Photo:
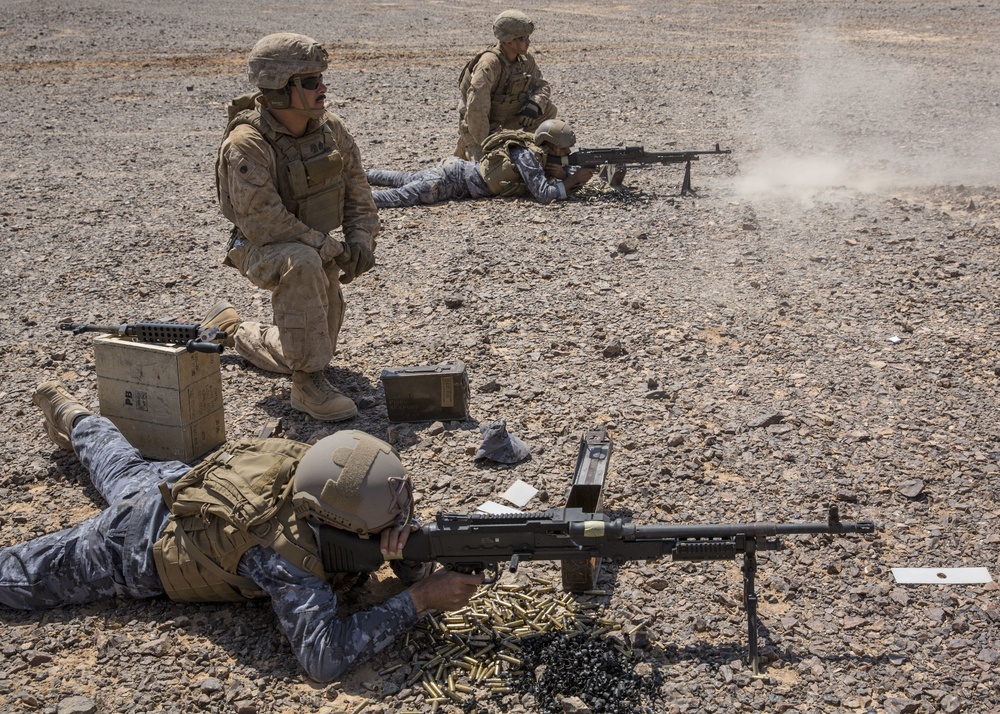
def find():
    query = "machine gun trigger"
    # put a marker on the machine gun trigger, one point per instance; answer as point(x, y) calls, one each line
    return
point(491, 570)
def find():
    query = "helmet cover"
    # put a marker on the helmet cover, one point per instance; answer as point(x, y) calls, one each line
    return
point(354, 481)
point(512, 24)
point(556, 132)
point(276, 58)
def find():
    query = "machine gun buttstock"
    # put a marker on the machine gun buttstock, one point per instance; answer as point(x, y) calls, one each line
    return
point(199, 345)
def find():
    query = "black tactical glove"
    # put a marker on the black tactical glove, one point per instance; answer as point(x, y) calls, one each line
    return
point(332, 250)
point(366, 258)
point(531, 110)
point(361, 259)
point(343, 260)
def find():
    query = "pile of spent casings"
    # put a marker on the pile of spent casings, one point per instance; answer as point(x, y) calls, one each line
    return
point(526, 639)
point(595, 191)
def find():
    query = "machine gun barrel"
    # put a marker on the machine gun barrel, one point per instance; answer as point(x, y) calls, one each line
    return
point(193, 336)
point(632, 156)
point(614, 161)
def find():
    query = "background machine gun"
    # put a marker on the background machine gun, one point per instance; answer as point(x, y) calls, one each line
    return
point(613, 162)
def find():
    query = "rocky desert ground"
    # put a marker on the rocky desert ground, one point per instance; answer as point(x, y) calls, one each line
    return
point(818, 325)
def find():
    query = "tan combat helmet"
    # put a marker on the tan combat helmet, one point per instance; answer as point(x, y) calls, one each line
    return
point(354, 481)
point(276, 58)
point(511, 24)
point(556, 132)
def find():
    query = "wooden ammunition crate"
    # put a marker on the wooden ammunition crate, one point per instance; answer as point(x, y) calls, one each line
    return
point(165, 400)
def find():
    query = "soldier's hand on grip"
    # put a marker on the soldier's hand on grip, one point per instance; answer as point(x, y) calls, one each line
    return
point(445, 590)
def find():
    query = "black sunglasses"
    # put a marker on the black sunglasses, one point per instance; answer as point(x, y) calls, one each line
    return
point(310, 83)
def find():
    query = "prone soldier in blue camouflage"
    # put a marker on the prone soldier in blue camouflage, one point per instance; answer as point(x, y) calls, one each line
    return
point(515, 163)
point(242, 524)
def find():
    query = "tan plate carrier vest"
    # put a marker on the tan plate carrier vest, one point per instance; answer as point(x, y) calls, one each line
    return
point(498, 169)
point(512, 92)
point(310, 169)
point(238, 497)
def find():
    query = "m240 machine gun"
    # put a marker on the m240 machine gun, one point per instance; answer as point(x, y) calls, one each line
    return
point(613, 162)
point(479, 542)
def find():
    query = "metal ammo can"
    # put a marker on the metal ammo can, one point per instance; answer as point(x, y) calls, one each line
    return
point(426, 393)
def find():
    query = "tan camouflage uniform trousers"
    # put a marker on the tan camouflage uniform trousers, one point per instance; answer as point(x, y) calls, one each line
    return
point(278, 252)
point(494, 78)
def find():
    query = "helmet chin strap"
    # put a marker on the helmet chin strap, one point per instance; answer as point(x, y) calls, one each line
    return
point(410, 506)
point(409, 514)
point(311, 113)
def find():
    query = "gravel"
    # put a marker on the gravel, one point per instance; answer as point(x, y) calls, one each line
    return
point(818, 325)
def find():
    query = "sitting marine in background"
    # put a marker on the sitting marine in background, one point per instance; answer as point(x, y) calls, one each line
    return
point(502, 87)
point(515, 163)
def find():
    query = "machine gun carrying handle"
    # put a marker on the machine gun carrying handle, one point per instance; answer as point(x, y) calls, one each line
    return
point(199, 345)
point(211, 340)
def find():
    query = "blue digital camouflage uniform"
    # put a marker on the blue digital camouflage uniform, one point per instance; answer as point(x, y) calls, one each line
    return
point(457, 178)
point(541, 187)
point(452, 178)
point(111, 555)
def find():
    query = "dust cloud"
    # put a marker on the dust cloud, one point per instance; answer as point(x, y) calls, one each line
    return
point(851, 119)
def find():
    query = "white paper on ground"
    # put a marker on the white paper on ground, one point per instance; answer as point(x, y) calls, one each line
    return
point(941, 576)
point(520, 493)
point(494, 507)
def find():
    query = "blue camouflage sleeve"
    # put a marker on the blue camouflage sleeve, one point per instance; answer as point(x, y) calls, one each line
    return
point(306, 606)
point(544, 189)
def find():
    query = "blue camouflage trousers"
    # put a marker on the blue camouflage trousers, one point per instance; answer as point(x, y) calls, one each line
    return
point(108, 555)
point(452, 178)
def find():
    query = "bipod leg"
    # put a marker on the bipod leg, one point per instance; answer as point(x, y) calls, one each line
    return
point(750, 603)
point(686, 189)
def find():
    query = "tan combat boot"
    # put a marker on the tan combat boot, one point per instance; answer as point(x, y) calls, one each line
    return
point(312, 394)
point(60, 410)
point(223, 317)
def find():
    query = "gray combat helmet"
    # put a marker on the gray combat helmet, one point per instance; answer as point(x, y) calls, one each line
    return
point(275, 59)
point(555, 132)
point(511, 24)
point(354, 481)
